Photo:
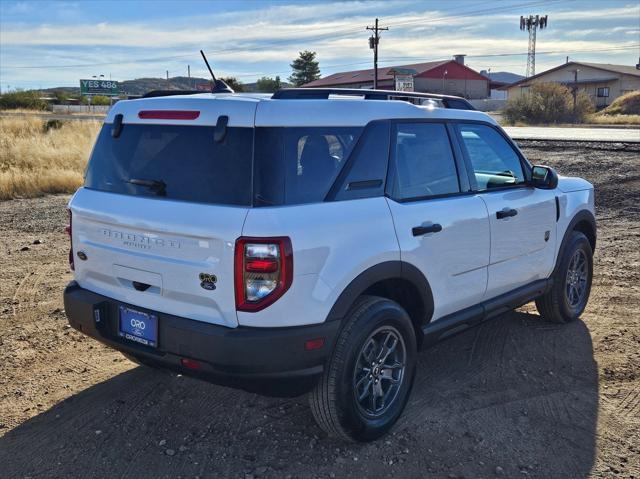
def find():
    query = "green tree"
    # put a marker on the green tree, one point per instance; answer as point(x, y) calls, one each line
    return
point(305, 69)
point(60, 97)
point(234, 83)
point(29, 100)
point(268, 85)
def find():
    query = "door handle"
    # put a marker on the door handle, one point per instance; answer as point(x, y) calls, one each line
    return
point(423, 230)
point(506, 213)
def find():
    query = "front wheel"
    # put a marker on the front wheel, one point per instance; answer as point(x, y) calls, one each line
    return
point(568, 297)
point(367, 381)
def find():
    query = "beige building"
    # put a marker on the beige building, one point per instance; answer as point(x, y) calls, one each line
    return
point(603, 82)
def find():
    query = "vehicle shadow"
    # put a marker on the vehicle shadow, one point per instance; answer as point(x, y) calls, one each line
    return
point(514, 397)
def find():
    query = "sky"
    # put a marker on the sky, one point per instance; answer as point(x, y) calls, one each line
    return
point(55, 43)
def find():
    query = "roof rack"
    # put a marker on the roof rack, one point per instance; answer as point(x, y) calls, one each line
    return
point(156, 93)
point(448, 101)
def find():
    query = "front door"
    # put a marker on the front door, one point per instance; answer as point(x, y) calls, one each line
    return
point(523, 218)
point(441, 229)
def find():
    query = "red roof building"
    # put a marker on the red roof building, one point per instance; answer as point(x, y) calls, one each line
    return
point(450, 77)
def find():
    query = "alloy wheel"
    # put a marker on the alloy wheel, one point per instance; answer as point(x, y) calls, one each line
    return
point(379, 371)
point(577, 279)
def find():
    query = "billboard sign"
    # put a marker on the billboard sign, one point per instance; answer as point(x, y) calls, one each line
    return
point(99, 87)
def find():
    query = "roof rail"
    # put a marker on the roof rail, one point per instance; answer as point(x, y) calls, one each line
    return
point(156, 93)
point(448, 101)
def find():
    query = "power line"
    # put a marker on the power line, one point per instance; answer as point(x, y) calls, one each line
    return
point(422, 59)
point(474, 13)
point(329, 35)
point(549, 52)
point(415, 59)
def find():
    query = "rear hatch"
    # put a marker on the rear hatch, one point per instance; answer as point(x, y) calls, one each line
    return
point(164, 200)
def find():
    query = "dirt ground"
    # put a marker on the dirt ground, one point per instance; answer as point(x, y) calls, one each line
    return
point(514, 397)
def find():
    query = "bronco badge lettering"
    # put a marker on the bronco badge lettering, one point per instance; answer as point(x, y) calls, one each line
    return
point(134, 240)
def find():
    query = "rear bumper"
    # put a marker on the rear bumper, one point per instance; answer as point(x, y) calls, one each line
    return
point(270, 361)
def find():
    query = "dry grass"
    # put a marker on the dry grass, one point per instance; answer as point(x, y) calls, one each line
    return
point(35, 162)
point(627, 104)
point(600, 119)
point(24, 111)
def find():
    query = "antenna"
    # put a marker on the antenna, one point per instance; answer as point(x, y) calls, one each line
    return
point(531, 24)
point(219, 86)
point(208, 66)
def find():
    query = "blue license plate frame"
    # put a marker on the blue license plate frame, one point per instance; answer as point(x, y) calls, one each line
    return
point(138, 326)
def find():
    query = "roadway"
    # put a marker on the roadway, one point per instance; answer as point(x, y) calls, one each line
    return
point(595, 134)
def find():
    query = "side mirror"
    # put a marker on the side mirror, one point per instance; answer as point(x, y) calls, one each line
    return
point(544, 177)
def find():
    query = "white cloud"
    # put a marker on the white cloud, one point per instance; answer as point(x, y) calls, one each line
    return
point(266, 39)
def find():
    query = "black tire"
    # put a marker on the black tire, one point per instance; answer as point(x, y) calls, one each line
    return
point(372, 322)
point(560, 304)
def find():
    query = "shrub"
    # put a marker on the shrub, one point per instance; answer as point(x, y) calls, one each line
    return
point(547, 103)
point(100, 100)
point(584, 107)
point(628, 104)
point(52, 125)
point(29, 100)
point(235, 84)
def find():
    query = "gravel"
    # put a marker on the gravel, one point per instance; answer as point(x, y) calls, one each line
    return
point(484, 403)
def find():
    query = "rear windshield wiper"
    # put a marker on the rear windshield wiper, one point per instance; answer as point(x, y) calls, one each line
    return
point(159, 187)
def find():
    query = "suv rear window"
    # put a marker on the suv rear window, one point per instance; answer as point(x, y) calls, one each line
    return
point(192, 166)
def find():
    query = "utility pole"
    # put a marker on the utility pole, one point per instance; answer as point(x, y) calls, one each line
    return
point(531, 24)
point(189, 74)
point(374, 40)
point(167, 75)
point(575, 92)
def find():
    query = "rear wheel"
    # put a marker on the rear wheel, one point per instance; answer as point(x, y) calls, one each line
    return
point(568, 297)
point(368, 379)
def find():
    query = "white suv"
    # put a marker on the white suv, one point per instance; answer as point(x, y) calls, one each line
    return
point(315, 241)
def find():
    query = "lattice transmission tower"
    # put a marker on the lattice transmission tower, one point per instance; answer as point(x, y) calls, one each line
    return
point(531, 24)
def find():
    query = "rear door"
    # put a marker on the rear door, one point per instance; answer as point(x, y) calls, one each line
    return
point(442, 228)
point(159, 214)
point(523, 218)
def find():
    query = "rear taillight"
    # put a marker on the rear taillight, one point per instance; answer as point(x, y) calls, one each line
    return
point(69, 230)
point(263, 271)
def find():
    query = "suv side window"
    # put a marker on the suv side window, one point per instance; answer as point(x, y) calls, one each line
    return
point(299, 164)
point(423, 162)
point(495, 163)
